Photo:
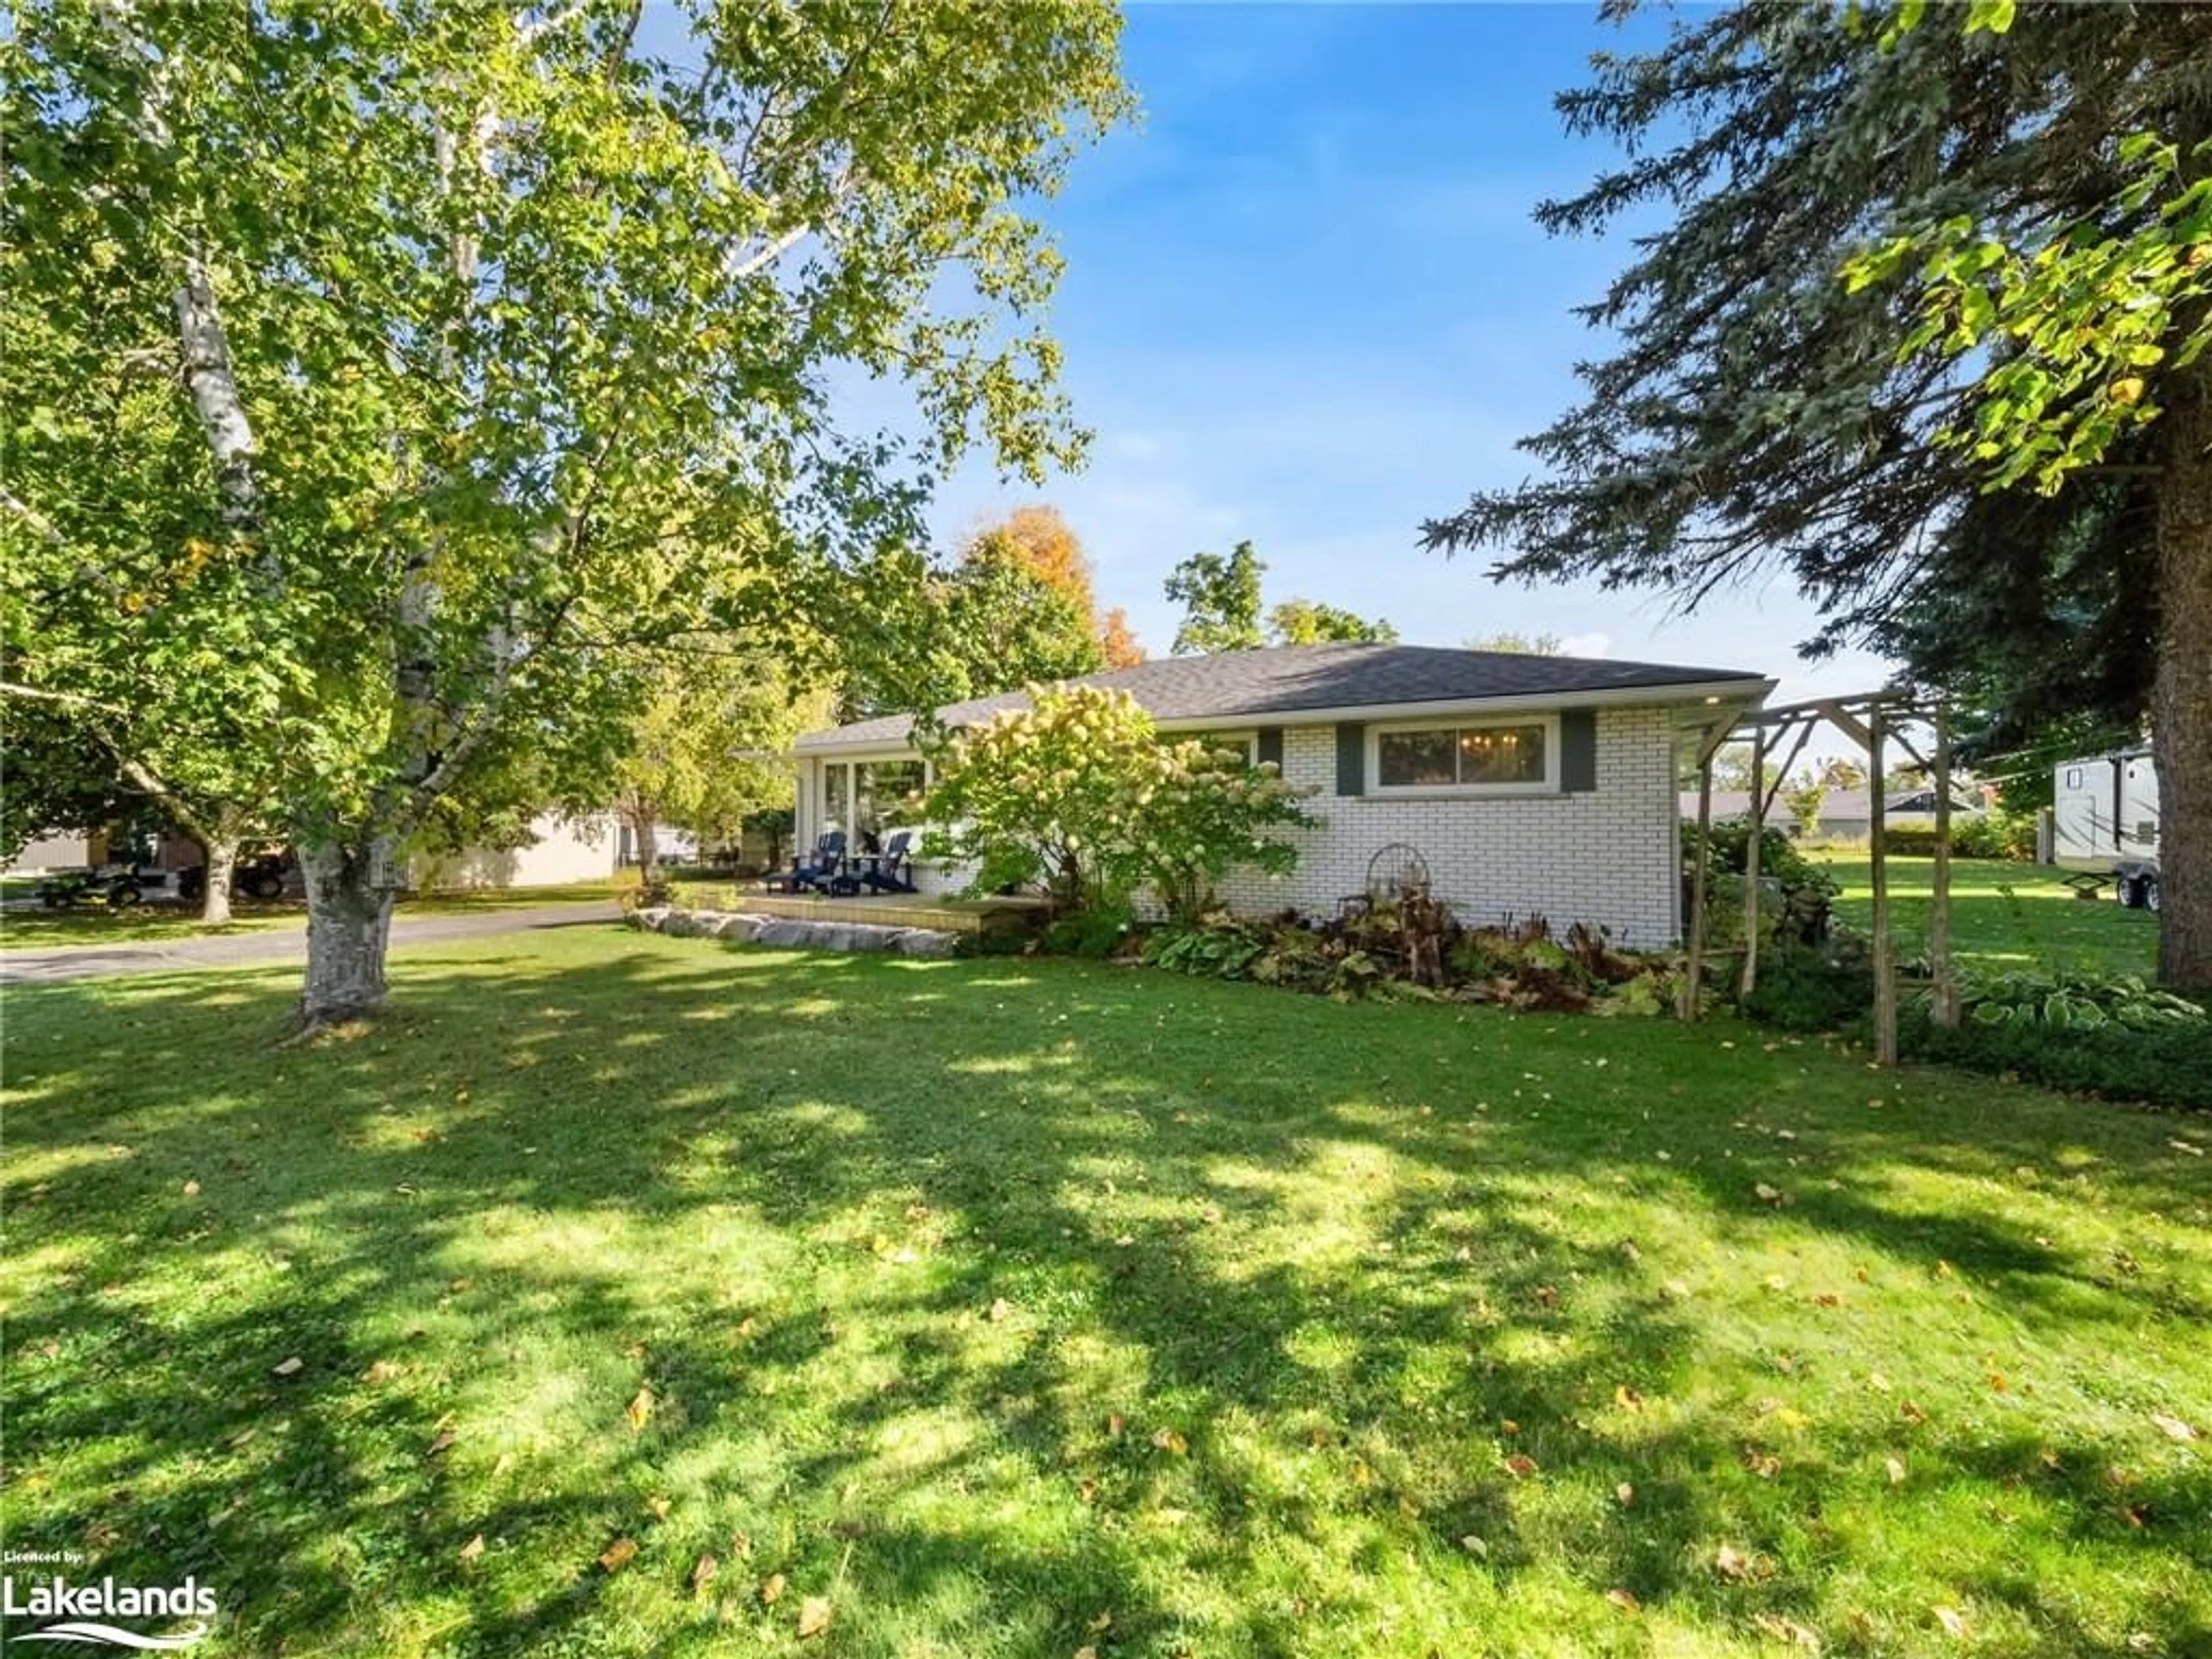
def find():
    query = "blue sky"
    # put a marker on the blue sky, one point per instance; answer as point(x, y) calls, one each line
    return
point(1306, 304)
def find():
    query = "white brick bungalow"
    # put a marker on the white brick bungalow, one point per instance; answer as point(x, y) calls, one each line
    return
point(1527, 783)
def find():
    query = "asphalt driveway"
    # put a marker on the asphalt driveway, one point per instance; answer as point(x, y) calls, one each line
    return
point(240, 950)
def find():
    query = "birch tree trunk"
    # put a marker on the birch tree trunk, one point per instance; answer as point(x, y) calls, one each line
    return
point(349, 899)
point(220, 848)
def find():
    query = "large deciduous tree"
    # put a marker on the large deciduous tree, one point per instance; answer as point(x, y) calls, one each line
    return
point(1761, 409)
point(1309, 622)
point(1221, 600)
point(504, 334)
point(1220, 597)
point(708, 745)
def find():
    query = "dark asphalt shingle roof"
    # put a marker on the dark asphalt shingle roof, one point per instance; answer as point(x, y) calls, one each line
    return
point(1284, 680)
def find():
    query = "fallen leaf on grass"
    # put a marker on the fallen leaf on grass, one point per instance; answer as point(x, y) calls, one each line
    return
point(703, 1574)
point(473, 1548)
point(1952, 1620)
point(640, 1410)
point(659, 1507)
point(1169, 1441)
point(1730, 1562)
point(1625, 1600)
point(1625, 1494)
point(814, 1614)
point(1788, 1630)
point(2172, 1427)
point(442, 1445)
point(192, 1189)
point(1102, 1623)
point(1114, 1423)
point(1475, 1547)
point(1627, 1398)
point(381, 1372)
point(1522, 1465)
point(1910, 1413)
point(619, 1555)
point(1896, 1468)
point(288, 1367)
point(771, 1590)
point(1001, 1310)
point(1087, 1651)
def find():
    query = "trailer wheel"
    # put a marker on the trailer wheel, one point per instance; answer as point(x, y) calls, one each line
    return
point(2149, 886)
point(2129, 895)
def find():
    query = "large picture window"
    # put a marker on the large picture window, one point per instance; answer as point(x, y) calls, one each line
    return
point(865, 798)
point(1499, 757)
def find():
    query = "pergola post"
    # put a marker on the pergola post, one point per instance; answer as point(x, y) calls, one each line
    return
point(1697, 966)
point(1885, 977)
point(1939, 907)
point(1751, 852)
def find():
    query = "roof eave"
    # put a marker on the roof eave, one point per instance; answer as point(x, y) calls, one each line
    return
point(1741, 692)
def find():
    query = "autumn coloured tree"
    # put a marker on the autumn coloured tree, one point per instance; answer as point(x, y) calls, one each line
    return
point(499, 338)
point(1118, 641)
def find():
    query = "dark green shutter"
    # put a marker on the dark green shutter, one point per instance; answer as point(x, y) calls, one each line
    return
point(1271, 745)
point(1351, 758)
point(1578, 750)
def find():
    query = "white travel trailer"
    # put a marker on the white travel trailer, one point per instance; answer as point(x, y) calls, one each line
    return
point(2104, 817)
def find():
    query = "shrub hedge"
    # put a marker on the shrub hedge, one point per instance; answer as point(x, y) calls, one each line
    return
point(2171, 1065)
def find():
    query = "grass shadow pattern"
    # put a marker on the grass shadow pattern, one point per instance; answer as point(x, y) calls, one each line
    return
point(1015, 1309)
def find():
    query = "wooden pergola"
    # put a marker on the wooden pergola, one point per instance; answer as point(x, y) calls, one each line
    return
point(1873, 720)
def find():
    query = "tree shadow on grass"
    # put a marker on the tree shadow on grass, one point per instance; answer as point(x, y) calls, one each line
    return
point(990, 1300)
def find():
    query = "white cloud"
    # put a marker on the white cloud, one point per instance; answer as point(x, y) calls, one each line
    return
point(1586, 645)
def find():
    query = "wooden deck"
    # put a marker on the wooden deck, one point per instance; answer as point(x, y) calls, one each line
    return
point(992, 916)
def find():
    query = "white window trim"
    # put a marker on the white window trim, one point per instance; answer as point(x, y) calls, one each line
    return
point(1376, 787)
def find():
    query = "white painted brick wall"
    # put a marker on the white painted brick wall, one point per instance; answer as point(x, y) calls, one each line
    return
point(1606, 857)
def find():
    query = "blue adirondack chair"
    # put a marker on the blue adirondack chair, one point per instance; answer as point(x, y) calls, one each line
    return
point(891, 869)
point(815, 872)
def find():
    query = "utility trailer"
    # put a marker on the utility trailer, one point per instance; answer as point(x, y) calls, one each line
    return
point(2104, 818)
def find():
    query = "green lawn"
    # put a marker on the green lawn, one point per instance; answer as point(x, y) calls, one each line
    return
point(2003, 916)
point(1017, 1309)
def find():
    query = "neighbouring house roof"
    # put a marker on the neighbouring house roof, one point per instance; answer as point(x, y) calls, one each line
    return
point(1278, 685)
